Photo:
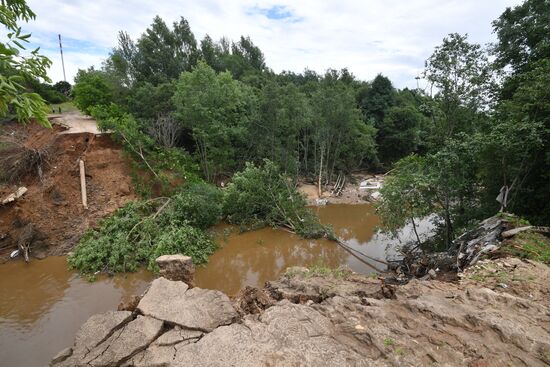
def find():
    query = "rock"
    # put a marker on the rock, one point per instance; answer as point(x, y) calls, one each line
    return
point(252, 300)
point(93, 332)
point(195, 308)
point(61, 356)
point(124, 343)
point(161, 351)
point(129, 303)
point(432, 274)
point(124, 188)
point(177, 267)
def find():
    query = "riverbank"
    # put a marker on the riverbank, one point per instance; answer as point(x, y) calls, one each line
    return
point(49, 218)
point(343, 318)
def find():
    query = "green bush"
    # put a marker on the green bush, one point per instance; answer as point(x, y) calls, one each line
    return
point(199, 204)
point(261, 195)
point(141, 231)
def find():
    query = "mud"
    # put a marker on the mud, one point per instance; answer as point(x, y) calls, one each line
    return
point(42, 305)
point(52, 203)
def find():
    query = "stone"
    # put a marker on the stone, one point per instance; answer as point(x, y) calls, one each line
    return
point(92, 333)
point(124, 188)
point(61, 356)
point(124, 343)
point(129, 303)
point(196, 308)
point(432, 274)
point(177, 267)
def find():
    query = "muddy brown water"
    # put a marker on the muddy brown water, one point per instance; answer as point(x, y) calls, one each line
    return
point(42, 304)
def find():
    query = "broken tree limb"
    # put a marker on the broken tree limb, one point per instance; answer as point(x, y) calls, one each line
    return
point(83, 184)
point(513, 232)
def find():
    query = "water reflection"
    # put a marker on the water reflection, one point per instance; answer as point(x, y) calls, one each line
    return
point(252, 258)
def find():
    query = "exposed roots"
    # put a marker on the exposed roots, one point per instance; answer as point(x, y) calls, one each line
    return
point(18, 161)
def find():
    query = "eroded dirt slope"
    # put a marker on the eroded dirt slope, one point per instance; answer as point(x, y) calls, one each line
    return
point(52, 203)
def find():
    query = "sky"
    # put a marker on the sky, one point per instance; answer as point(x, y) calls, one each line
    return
point(392, 37)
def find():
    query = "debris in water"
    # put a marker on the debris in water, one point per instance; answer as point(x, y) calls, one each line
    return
point(14, 254)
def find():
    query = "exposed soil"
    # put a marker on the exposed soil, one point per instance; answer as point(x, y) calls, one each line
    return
point(52, 204)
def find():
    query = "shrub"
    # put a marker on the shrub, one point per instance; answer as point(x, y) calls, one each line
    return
point(199, 204)
point(261, 195)
point(141, 231)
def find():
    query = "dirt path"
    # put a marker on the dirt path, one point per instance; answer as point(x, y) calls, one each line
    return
point(76, 123)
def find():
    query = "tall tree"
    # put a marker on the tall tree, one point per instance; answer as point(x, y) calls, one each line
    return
point(216, 109)
point(460, 76)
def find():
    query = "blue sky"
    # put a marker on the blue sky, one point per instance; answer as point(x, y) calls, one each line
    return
point(392, 37)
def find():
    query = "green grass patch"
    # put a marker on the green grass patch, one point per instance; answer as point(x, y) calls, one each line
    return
point(529, 245)
point(65, 107)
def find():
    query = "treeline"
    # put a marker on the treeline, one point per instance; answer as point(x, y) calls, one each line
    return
point(491, 130)
point(220, 102)
point(478, 129)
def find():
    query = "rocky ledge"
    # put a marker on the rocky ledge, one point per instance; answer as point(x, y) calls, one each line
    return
point(331, 319)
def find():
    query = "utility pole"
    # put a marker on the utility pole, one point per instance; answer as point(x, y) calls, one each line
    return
point(62, 61)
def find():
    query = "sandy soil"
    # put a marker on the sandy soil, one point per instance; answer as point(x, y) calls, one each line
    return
point(351, 194)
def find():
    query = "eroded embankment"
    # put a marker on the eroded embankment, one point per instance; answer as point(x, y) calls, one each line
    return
point(50, 215)
point(312, 318)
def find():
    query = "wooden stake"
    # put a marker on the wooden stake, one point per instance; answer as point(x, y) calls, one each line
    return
point(83, 184)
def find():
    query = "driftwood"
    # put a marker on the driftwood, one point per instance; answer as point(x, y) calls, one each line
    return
point(515, 231)
point(83, 184)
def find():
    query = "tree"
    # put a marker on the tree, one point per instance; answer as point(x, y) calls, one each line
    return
point(398, 133)
point(160, 55)
point(340, 140)
point(379, 97)
point(523, 35)
point(17, 68)
point(91, 89)
point(216, 109)
point(460, 73)
point(63, 87)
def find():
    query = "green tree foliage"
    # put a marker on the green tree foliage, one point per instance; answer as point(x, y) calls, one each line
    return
point(378, 98)
point(141, 231)
point(261, 195)
point(18, 67)
point(216, 109)
point(460, 73)
point(91, 89)
point(63, 87)
point(523, 36)
point(398, 134)
point(340, 138)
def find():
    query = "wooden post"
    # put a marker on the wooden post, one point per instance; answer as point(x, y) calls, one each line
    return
point(83, 184)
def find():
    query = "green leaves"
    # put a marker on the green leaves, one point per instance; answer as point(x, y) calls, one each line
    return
point(141, 231)
point(14, 98)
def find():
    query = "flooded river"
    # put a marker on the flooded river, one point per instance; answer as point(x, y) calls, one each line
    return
point(42, 304)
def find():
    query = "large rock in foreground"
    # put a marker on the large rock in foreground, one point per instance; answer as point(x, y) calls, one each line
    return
point(333, 320)
point(197, 309)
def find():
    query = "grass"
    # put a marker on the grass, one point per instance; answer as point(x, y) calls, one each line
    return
point(388, 342)
point(514, 219)
point(529, 245)
point(65, 107)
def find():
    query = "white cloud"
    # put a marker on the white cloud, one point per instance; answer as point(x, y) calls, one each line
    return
point(368, 37)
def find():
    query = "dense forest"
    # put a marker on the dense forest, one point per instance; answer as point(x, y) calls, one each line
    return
point(472, 141)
